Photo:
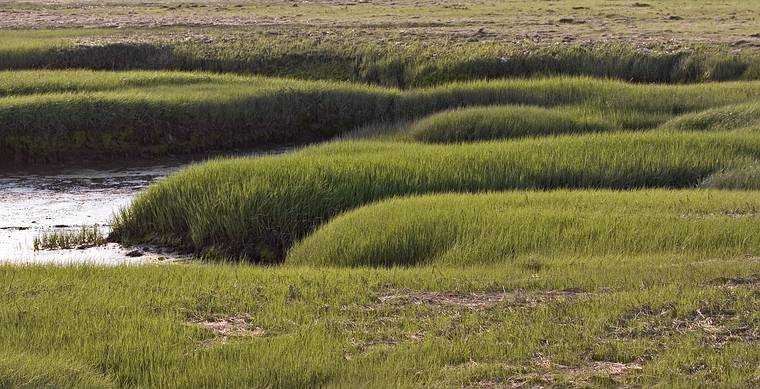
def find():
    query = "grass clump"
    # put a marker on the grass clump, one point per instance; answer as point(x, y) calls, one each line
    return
point(258, 207)
point(160, 120)
point(65, 239)
point(470, 229)
point(502, 122)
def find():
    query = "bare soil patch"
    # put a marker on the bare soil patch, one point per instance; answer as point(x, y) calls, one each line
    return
point(751, 281)
point(224, 328)
point(516, 298)
point(718, 327)
point(547, 374)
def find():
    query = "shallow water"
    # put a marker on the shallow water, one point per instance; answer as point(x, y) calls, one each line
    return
point(37, 201)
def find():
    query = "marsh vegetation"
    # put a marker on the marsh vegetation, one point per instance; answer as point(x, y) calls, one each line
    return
point(491, 194)
point(67, 239)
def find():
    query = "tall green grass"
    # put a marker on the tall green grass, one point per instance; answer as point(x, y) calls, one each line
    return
point(159, 120)
point(257, 208)
point(467, 229)
point(128, 114)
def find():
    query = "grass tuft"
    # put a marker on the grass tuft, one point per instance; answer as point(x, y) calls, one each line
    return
point(64, 239)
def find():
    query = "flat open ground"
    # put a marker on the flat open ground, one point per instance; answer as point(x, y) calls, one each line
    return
point(732, 22)
point(388, 193)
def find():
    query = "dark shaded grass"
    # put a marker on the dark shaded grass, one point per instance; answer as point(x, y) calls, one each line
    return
point(152, 122)
point(231, 112)
point(257, 208)
point(423, 63)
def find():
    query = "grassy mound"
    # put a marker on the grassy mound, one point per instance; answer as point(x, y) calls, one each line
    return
point(495, 228)
point(258, 207)
point(131, 114)
point(747, 177)
point(502, 122)
point(725, 118)
point(158, 120)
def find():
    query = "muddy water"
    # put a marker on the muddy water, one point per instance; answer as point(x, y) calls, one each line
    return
point(35, 202)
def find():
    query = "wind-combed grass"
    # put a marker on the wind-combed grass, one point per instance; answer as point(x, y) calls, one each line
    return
point(469, 229)
point(20, 369)
point(680, 320)
point(725, 118)
point(503, 122)
point(67, 239)
point(258, 207)
point(150, 114)
point(746, 177)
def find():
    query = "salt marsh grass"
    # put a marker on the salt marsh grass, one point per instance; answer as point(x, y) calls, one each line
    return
point(498, 228)
point(503, 122)
point(343, 56)
point(504, 193)
point(132, 114)
point(259, 207)
point(747, 177)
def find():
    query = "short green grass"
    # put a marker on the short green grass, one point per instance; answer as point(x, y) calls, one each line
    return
point(684, 320)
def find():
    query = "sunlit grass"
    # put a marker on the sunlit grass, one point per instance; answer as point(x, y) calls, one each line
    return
point(258, 207)
point(67, 239)
point(508, 227)
point(134, 326)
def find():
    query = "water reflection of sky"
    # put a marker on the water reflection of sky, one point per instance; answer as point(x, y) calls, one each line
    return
point(35, 201)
